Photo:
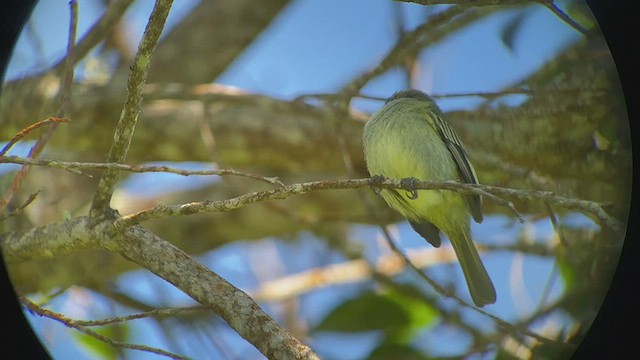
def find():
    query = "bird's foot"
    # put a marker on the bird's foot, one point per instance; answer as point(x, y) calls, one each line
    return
point(376, 179)
point(409, 185)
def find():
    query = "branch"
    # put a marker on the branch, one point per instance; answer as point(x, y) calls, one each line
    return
point(131, 110)
point(83, 329)
point(168, 262)
point(24, 132)
point(158, 313)
point(546, 3)
point(76, 166)
point(549, 4)
point(230, 303)
point(234, 306)
point(20, 208)
point(294, 285)
point(64, 99)
point(49, 241)
point(446, 293)
point(494, 193)
point(237, 202)
point(587, 206)
point(229, 25)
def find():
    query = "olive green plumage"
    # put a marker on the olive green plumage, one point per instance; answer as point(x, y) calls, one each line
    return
point(408, 138)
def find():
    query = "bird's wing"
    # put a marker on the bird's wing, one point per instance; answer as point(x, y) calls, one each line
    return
point(467, 172)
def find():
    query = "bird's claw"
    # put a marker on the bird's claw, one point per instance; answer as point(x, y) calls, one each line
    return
point(376, 179)
point(408, 183)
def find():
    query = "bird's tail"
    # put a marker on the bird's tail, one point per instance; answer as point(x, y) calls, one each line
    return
point(478, 280)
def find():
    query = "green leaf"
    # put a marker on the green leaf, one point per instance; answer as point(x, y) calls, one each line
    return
point(368, 312)
point(421, 314)
point(101, 349)
point(398, 312)
point(396, 352)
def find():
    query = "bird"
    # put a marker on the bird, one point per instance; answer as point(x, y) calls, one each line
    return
point(408, 138)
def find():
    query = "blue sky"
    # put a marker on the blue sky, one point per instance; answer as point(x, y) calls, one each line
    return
point(317, 47)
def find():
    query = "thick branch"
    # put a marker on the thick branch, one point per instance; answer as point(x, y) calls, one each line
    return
point(48, 241)
point(230, 303)
point(143, 247)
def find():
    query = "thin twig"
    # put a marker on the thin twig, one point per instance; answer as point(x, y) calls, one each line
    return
point(76, 167)
point(446, 293)
point(159, 313)
point(65, 99)
point(546, 3)
point(83, 329)
point(24, 132)
point(564, 17)
point(20, 208)
point(592, 207)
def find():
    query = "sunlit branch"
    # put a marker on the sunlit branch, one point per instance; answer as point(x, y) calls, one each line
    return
point(347, 272)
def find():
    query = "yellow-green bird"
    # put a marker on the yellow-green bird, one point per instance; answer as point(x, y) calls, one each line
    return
point(409, 138)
